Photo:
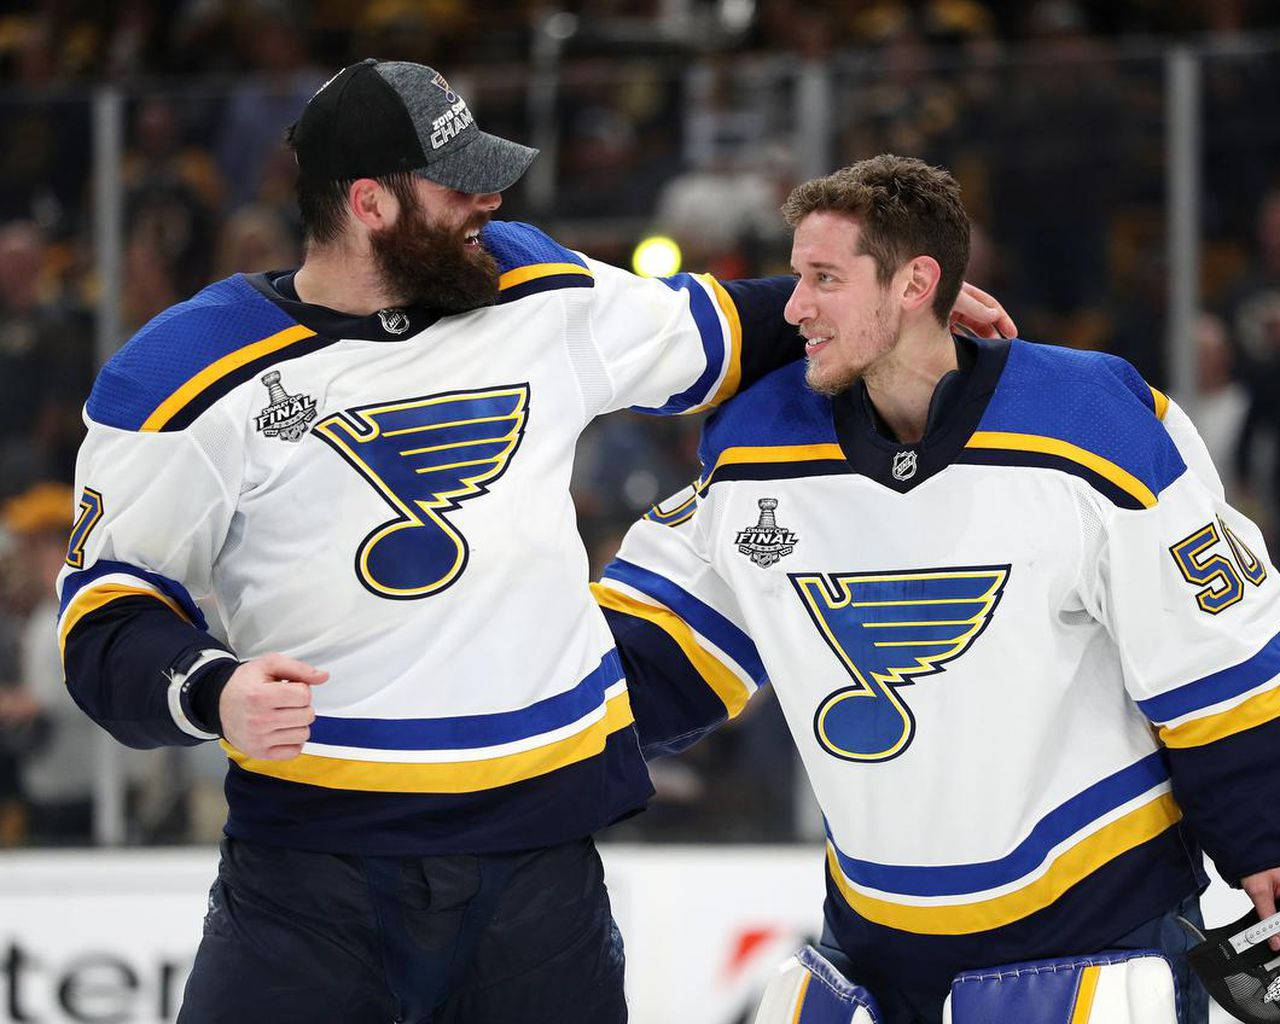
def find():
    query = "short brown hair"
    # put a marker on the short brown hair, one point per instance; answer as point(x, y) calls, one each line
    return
point(905, 209)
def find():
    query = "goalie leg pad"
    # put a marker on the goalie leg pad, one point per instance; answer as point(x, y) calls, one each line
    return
point(807, 989)
point(1112, 987)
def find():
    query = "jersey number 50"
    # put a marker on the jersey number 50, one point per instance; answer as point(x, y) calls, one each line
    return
point(1219, 578)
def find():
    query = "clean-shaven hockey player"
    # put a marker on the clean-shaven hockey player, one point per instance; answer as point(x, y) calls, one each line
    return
point(362, 469)
point(1028, 653)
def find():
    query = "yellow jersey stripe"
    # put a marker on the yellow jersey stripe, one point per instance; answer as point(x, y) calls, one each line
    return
point(1261, 708)
point(531, 273)
point(1122, 478)
point(1085, 994)
point(1071, 866)
point(455, 777)
point(92, 598)
point(1161, 401)
point(731, 690)
point(804, 987)
point(732, 379)
point(772, 454)
point(215, 371)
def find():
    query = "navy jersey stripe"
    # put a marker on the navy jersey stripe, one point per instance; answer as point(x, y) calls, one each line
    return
point(1044, 460)
point(777, 471)
point(1135, 887)
point(1058, 825)
point(469, 731)
point(562, 805)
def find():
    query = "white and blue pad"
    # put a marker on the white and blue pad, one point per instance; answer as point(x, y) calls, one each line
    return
point(1113, 987)
point(808, 990)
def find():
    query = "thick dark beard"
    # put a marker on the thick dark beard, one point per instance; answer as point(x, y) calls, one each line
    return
point(423, 264)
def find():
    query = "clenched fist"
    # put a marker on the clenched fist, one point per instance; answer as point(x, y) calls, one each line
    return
point(266, 706)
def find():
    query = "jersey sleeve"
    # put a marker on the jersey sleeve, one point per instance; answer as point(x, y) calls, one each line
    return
point(155, 508)
point(688, 342)
point(1193, 602)
point(689, 662)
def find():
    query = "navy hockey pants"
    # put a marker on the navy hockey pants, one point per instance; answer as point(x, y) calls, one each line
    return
point(1161, 933)
point(293, 937)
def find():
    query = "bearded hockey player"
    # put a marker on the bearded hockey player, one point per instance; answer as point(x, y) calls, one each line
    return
point(1028, 653)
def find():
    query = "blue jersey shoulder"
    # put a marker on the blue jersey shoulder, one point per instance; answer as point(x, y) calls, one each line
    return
point(1093, 401)
point(532, 261)
point(779, 410)
point(159, 364)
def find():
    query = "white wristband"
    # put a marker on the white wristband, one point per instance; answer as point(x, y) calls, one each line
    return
point(176, 682)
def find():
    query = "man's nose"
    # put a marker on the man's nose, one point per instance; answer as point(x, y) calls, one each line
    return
point(799, 307)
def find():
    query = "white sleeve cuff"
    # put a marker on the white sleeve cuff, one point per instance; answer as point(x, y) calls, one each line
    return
point(177, 680)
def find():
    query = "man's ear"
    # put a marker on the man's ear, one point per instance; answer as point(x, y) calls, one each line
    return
point(371, 204)
point(920, 277)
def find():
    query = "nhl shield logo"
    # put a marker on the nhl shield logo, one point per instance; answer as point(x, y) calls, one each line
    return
point(904, 465)
point(766, 542)
point(394, 321)
point(286, 416)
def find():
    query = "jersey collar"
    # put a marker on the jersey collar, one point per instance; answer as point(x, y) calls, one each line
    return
point(958, 402)
point(398, 324)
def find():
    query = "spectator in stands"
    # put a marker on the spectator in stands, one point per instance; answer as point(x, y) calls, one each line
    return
point(256, 238)
point(1219, 406)
point(1255, 319)
point(283, 78)
point(46, 365)
point(57, 772)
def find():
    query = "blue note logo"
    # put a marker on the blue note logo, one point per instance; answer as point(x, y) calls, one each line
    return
point(425, 456)
point(887, 630)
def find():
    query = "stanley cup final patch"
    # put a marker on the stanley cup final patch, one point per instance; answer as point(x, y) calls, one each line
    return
point(286, 416)
point(766, 542)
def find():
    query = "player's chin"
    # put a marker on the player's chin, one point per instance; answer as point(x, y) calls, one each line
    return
point(824, 379)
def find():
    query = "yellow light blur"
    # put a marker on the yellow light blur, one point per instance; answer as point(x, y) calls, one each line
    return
point(656, 256)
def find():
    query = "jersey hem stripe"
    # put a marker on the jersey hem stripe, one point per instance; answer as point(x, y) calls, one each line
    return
point(464, 732)
point(1057, 826)
point(1072, 866)
point(463, 777)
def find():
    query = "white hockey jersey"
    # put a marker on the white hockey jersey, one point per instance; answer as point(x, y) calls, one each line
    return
point(387, 498)
point(1028, 663)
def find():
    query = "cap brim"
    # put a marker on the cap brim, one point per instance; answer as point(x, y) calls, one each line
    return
point(485, 164)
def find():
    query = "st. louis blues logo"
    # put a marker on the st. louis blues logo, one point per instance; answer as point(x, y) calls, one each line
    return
point(887, 629)
point(425, 456)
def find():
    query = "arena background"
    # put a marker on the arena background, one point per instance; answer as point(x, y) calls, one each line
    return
point(1120, 160)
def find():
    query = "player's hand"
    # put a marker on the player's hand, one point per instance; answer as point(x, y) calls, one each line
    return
point(982, 314)
point(1263, 888)
point(266, 706)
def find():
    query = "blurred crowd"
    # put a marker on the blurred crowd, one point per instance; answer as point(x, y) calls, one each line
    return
point(691, 119)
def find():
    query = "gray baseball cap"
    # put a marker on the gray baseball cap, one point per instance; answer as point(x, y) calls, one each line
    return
point(383, 117)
